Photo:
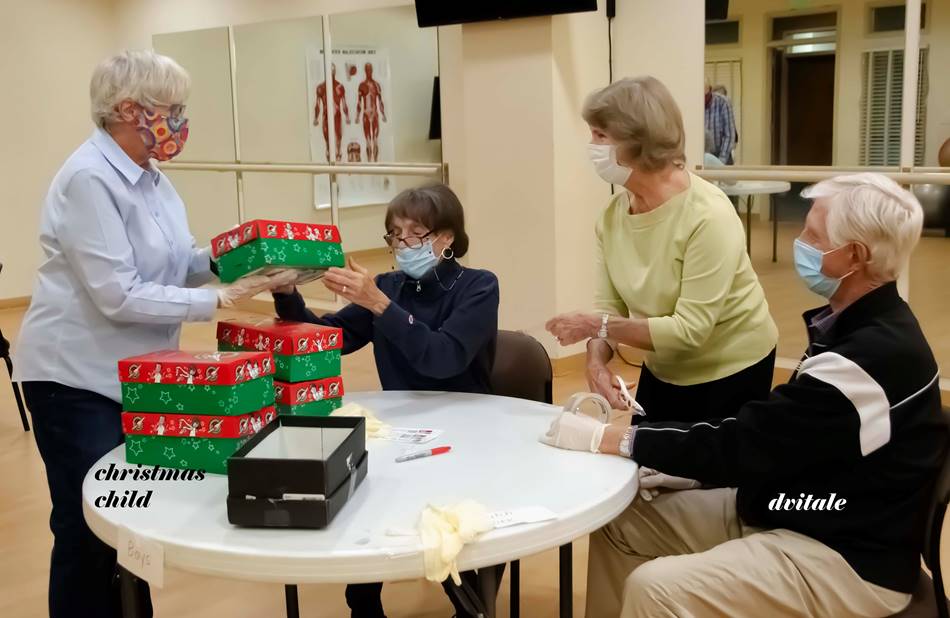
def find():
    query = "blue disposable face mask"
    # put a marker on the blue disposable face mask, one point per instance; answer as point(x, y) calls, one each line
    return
point(808, 262)
point(416, 262)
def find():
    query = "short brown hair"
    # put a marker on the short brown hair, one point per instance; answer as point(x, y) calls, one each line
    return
point(642, 118)
point(434, 206)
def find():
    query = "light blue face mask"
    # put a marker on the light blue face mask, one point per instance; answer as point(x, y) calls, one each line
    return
point(417, 262)
point(808, 261)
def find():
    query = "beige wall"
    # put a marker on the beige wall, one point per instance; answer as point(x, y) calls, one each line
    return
point(580, 66)
point(665, 40)
point(138, 20)
point(853, 40)
point(273, 107)
point(47, 52)
point(518, 155)
point(507, 142)
point(512, 134)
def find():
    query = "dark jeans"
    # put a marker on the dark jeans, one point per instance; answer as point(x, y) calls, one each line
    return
point(720, 398)
point(365, 600)
point(73, 429)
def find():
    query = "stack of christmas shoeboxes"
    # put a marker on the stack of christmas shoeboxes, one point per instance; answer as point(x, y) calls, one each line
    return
point(262, 245)
point(307, 378)
point(193, 410)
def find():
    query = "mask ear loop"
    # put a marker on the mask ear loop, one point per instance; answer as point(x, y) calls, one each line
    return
point(850, 272)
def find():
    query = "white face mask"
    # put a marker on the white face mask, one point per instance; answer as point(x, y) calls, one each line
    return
point(604, 158)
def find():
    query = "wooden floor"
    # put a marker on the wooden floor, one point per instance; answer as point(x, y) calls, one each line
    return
point(24, 498)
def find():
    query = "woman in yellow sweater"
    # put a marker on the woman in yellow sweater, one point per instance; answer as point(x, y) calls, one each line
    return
point(673, 276)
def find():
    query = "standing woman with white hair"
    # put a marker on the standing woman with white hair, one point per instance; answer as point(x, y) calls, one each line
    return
point(118, 279)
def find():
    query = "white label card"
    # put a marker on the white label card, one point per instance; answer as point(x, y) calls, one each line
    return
point(142, 557)
point(525, 515)
point(409, 435)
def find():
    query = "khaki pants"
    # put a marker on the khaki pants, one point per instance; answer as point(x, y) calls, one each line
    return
point(687, 554)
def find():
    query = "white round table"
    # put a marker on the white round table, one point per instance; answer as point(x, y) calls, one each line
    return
point(749, 188)
point(496, 460)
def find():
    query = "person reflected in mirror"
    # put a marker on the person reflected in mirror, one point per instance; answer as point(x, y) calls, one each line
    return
point(720, 120)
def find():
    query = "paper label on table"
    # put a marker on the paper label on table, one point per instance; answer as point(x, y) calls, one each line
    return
point(525, 515)
point(142, 557)
point(409, 435)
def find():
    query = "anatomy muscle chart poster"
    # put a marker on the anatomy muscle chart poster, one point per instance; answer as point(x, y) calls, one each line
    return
point(357, 120)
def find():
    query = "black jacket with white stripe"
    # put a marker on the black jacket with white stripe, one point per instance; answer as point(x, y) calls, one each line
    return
point(859, 419)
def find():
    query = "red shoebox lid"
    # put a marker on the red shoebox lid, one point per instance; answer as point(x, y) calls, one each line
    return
point(210, 368)
point(280, 336)
point(267, 228)
point(294, 393)
point(196, 425)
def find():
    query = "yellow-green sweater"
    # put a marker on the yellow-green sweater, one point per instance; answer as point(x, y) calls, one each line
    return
point(684, 267)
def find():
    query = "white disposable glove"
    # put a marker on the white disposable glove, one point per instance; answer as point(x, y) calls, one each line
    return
point(444, 531)
point(246, 287)
point(375, 428)
point(575, 432)
point(651, 480)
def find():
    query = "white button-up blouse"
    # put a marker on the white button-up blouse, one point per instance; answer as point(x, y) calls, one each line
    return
point(119, 275)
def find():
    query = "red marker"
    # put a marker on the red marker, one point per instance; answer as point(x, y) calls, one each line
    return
point(420, 454)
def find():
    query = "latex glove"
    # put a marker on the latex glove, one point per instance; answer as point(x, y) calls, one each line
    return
point(287, 288)
point(375, 428)
point(575, 431)
point(445, 531)
point(246, 287)
point(651, 480)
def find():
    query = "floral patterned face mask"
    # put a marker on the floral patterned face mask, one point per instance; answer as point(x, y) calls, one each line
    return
point(164, 135)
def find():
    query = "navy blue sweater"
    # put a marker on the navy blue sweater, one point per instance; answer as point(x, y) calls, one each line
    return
point(438, 333)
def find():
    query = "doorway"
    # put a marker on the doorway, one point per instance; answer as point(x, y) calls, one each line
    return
point(804, 104)
point(803, 55)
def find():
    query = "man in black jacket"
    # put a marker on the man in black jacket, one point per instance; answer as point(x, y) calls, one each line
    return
point(822, 489)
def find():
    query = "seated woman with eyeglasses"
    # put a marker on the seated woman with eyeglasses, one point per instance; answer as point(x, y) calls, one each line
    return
point(433, 323)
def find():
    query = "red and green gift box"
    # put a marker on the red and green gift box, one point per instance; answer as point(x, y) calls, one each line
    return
point(263, 244)
point(213, 382)
point(194, 409)
point(301, 351)
point(309, 398)
point(189, 441)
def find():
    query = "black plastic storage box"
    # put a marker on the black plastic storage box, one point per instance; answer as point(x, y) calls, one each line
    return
point(297, 472)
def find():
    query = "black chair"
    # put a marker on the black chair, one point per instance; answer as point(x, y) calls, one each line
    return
point(523, 370)
point(5, 355)
point(923, 603)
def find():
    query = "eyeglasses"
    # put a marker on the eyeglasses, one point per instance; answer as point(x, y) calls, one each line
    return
point(412, 241)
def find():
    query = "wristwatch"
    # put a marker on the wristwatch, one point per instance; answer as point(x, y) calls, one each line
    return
point(602, 333)
point(626, 442)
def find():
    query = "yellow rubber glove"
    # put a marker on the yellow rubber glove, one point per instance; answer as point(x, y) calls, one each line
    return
point(445, 531)
point(375, 428)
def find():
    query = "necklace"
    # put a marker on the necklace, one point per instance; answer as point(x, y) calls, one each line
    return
point(448, 289)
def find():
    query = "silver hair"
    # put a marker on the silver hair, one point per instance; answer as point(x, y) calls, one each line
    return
point(143, 76)
point(877, 212)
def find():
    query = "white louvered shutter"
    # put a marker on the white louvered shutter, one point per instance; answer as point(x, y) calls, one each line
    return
point(881, 102)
